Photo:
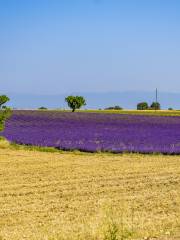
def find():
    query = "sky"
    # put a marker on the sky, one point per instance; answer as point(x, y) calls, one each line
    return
point(67, 46)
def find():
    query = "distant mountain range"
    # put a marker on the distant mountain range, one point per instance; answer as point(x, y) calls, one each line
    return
point(128, 100)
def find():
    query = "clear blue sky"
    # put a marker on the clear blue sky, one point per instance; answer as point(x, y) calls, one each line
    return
point(66, 46)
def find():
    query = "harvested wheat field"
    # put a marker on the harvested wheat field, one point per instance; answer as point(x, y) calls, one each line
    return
point(58, 195)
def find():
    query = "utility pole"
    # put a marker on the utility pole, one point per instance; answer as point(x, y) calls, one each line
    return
point(156, 107)
point(156, 95)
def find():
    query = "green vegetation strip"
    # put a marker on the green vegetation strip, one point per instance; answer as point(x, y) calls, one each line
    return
point(131, 112)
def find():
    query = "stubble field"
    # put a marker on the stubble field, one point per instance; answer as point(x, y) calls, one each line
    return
point(88, 196)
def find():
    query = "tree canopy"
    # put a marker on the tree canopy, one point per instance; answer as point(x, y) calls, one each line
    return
point(142, 106)
point(5, 112)
point(75, 102)
point(3, 100)
point(155, 106)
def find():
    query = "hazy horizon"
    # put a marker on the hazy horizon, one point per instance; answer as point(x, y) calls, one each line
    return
point(95, 100)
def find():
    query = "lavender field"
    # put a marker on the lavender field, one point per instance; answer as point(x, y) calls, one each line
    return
point(93, 132)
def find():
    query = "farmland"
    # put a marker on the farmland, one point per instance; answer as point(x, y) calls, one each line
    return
point(89, 120)
point(64, 195)
point(93, 132)
point(51, 194)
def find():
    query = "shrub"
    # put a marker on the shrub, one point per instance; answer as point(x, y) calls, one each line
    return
point(142, 106)
point(4, 115)
point(42, 108)
point(114, 108)
point(112, 232)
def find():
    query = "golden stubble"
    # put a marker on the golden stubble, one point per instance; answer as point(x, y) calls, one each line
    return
point(80, 196)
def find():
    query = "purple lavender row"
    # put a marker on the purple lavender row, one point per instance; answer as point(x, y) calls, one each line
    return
point(93, 132)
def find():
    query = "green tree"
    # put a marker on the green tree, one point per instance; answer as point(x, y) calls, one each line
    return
point(75, 102)
point(3, 99)
point(5, 112)
point(142, 106)
point(155, 106)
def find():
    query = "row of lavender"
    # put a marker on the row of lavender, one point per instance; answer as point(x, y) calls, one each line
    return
point(95, 132)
